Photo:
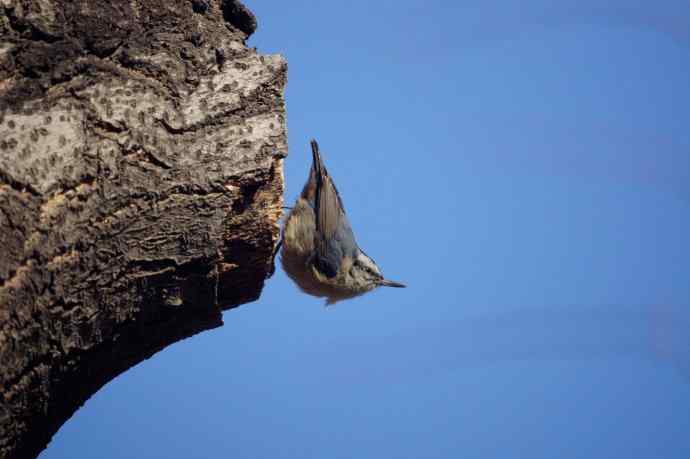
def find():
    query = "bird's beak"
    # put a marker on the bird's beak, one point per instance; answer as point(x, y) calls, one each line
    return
point(390, 283)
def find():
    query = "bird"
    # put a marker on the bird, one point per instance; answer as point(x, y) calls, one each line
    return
point(319, 250)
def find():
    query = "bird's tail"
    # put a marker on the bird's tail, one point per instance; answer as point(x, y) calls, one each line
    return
point(317, 164)
point(318, 177)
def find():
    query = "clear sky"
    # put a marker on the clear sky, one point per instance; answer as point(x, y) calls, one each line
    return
point(524, 166)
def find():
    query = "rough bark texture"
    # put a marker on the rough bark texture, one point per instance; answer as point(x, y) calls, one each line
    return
point(141, 147)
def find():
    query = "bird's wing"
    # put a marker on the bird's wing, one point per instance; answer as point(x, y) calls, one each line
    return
point(330, 218)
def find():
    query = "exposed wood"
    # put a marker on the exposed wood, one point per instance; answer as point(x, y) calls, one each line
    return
point(141, 147)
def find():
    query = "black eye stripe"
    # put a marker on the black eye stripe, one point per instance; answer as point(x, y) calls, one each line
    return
point(366, 268)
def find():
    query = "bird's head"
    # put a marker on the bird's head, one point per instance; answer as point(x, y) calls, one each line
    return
point(366, 275)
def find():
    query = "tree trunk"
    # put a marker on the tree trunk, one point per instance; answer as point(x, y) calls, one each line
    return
point(141, 147)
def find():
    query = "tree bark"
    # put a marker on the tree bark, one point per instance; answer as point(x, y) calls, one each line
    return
point(141, 148)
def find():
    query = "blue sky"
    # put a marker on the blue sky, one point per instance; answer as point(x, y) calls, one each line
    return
point(525, 168)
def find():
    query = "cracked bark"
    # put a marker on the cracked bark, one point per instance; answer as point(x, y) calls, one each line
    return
point(141, 147)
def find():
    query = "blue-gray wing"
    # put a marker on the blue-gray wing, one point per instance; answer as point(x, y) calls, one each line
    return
point(334, 236)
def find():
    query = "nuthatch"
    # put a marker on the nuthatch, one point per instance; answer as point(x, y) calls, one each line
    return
point(319, 249)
